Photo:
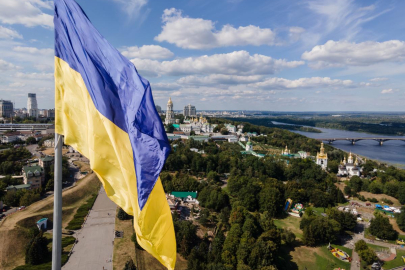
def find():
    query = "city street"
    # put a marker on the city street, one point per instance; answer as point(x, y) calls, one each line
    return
point(95, 240)
point(32, 148)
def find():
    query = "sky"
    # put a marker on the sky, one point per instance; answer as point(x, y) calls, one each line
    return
point(279, 55)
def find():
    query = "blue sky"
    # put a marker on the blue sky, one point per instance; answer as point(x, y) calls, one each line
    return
point(279, 55)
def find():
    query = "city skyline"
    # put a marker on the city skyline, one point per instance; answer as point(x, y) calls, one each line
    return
point(228, 55)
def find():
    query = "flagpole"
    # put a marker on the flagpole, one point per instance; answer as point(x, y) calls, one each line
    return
point(57, 206)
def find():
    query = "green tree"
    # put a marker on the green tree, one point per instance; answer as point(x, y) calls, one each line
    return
point(360, 246)
point(224, 131)
point(348, 191)
point(246, 245)
point(170, 128)
point(381, 227)
point(29, 197)
point(401, 193)
point(129, 265)
point(122, 215)
point(401, 219)
point(288, 237)
point(231, 245)
point(31, 140)
point(376, 187)
point(356, 183)
point(36, 251)
point(217, 244)
point(212, 176)
point(368, 255)
point(271, 200)
point(12, 198)
point(320, 230)
point(265, 250)
point(346, 220)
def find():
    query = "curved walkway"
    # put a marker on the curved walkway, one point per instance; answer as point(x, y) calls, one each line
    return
point(95, 240)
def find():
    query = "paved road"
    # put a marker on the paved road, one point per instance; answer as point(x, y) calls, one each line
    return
point(95, 247)
point(355, 261)
point(33, 149)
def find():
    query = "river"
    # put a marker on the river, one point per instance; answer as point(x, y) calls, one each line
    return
point(392, 152)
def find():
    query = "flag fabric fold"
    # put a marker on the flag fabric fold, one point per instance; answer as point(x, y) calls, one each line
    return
point(105, 110)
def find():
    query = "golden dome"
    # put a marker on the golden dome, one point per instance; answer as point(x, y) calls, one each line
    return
point(170, 101)
point(321, 154)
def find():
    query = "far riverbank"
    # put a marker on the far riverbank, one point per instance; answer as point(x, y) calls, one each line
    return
point(392, 152)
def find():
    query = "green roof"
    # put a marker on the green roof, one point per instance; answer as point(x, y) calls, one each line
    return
point(182, 194)
point(47, 158)
point(176, 125)
point(19, 187)
point(32, 169)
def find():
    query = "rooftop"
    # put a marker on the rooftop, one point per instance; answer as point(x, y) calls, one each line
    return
point(184, 194)
point(47, 158)
point(32, 169)
point(19, 187)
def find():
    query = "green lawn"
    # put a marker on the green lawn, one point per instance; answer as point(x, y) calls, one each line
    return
point(329, 261)
point(319, 210)
point(398, 261)
point(78, 219)
point(377, 248)
point(67, 243)
point(292, 223)
point(321, 259)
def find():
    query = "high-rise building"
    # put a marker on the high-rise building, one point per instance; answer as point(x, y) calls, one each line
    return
point(158, 109)
point(169, 113)
point(189, 110)
point(6, 108)
point(32, 105)
point(51, 113)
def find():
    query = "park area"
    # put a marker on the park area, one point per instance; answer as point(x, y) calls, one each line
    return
point(124, 250)
point(14, 230)
point(303, 257)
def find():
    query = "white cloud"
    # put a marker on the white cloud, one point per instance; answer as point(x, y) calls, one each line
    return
point(26, 12)
point(343, 53)
point(234, 63)
point(34, 76)
point(147, 52)
point(8, 33)
point(378, 79)
point(295, 33)
point(17, 84)
point(216, 79)
point(388, 91)
point(7, 66)
point(314, 82)
point(367, 8)
point(342, 19)
point(197, 33)
point(132, 7)
point(33, 50)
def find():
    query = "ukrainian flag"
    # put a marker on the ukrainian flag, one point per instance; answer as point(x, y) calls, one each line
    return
point(105, 110)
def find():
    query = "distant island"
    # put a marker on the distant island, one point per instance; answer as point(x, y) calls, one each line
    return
point(375, 123)
point(268, 123)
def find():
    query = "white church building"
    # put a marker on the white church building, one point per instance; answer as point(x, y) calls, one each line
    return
point(349, 168)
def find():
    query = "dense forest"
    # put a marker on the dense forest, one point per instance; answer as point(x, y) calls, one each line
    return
point(241, 194)
point(241, 212)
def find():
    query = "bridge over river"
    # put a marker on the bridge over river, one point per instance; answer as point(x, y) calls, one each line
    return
point(354, 140)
